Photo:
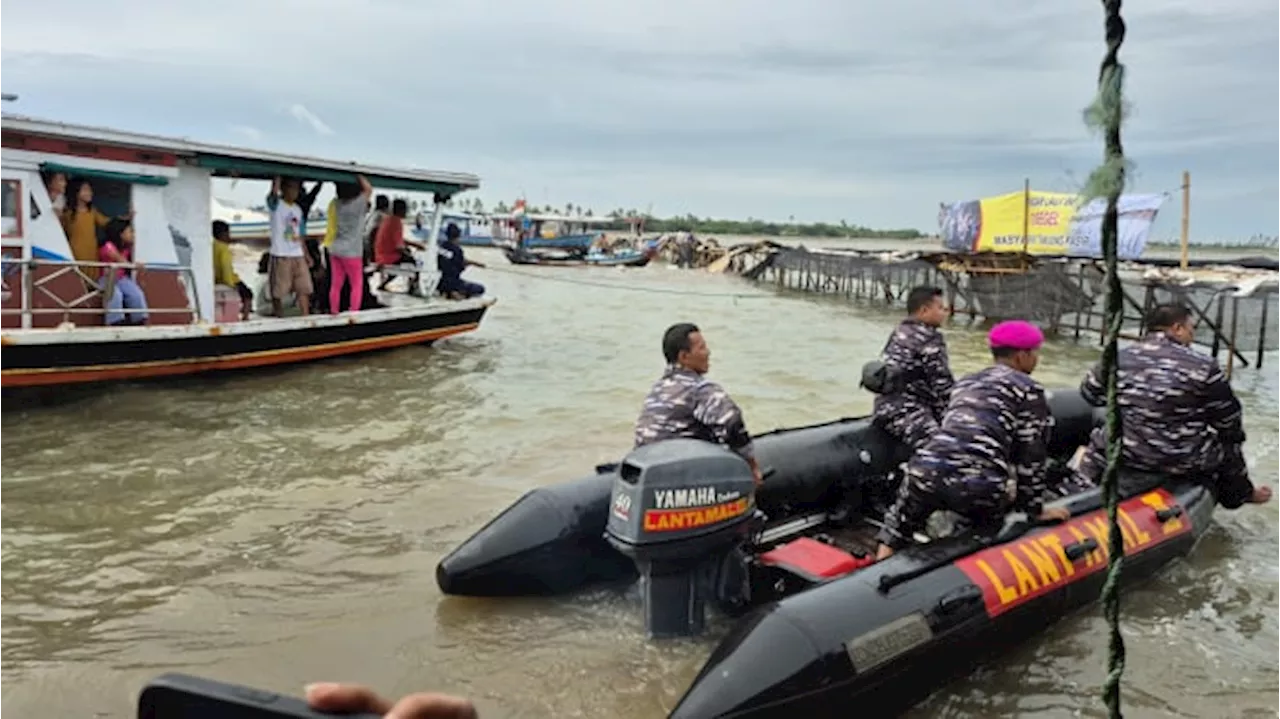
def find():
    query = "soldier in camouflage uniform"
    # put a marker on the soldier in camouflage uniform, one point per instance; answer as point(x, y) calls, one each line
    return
point(989, 454)
point(917, 353)
point(684, 403)
point(1178, 413)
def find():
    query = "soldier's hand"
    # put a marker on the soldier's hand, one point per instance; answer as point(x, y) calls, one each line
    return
point(759, 476)
point(1261, 495)
point(1054, 514)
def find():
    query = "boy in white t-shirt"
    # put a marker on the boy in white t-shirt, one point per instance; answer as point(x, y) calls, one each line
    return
point(290, 268)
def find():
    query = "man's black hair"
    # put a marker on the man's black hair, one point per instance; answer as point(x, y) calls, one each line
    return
point(676, 340)
point(920, 297)
point(347, 190)
point(382, 203)
point(1162, 317)
point(452, 231)
point(399, 207)
point(221, 230)
point(1004, 352)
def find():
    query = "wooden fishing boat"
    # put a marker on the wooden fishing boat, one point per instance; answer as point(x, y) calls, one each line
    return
point(52, 316)
point(621, 258)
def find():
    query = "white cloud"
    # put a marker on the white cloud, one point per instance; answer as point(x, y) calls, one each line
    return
point(870, 112)
point(307, 117)
point(252, 133)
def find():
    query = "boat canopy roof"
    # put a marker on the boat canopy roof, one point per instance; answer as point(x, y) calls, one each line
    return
point(241, 162)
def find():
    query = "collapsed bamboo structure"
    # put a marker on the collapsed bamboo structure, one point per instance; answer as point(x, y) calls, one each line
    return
point(1234, 302)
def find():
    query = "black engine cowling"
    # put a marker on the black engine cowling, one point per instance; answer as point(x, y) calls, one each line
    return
point(681, 509)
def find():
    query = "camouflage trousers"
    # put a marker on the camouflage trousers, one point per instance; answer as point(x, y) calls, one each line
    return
point(1222, 467)
point(981, 502)
point(912, 426)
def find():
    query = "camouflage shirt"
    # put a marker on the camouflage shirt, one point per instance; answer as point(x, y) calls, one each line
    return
point(1171, 397)
point(683, 403)
point(920, 352)
point(995, 429)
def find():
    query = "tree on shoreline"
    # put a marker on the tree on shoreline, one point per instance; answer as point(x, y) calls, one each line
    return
point(710, 225)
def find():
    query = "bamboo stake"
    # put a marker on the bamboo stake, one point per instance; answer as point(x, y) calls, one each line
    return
point(1186, 216)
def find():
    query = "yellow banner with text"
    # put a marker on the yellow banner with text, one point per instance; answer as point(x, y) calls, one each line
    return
point(1037, 222)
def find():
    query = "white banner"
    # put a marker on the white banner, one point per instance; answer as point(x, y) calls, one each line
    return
point(1137, 213)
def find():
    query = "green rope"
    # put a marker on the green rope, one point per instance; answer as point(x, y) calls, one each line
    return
point(1107, 113)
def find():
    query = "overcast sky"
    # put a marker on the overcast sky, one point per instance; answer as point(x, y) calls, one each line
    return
point(871, 112)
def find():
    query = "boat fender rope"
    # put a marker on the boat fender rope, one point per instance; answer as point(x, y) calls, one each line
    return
point(1106, 114)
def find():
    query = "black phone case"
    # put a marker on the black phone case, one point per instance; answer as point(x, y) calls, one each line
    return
point(182, 696)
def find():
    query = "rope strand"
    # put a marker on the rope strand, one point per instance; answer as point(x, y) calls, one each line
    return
point(1107, 114)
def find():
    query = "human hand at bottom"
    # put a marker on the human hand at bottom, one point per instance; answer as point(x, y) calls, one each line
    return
point(334, 698)
point(1261, 495)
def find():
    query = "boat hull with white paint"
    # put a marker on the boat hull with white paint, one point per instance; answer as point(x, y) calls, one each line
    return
point(52, 315)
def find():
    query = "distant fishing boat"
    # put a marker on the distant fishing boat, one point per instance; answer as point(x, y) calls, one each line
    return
point(253, 227)
point(622, 258)
point(476, 229)
point(562, 232)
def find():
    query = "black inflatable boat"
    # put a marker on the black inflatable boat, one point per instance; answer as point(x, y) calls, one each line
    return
point(885, 637)
point(829, 625)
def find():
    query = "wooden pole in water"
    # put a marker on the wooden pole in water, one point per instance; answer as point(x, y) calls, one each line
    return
point(1026, 214)
point(1262, 332)
point(1186, 215)
point(1231, 351)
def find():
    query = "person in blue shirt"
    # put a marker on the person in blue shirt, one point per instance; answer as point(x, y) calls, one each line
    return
point(452, 263)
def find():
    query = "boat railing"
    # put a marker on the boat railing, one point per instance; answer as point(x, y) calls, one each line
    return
point(91, 300)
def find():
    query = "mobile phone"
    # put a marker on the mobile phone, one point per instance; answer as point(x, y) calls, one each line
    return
point(182, 696)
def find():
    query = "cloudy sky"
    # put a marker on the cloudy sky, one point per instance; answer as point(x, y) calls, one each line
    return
point(822, 109)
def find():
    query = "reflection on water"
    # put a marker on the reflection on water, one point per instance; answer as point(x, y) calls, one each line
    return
point(283, 526)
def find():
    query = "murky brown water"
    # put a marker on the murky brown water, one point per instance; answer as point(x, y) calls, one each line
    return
point(280, 527)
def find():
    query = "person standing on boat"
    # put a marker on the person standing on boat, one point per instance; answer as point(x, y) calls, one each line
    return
point(224, 269)
point(126, 304)
point(684, 403)
point(989, 454)
point(346, 252)
point(452, 263)
point(55, 183)
point(1178, 413)
point(919, 373)
point(81, 221)
point(290, 268)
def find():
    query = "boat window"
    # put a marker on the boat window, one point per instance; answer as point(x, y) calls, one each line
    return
point(112, 197)
point(11, 225)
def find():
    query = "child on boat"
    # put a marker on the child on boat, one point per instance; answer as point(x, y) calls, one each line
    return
point(224, 271)
point(125, 302)
point(290, 269)
point(81, 221)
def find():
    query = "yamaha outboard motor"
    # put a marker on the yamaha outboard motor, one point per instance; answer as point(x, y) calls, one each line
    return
point(681, 509)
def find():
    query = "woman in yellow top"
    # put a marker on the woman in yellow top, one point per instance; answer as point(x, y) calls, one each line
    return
point(81, 221)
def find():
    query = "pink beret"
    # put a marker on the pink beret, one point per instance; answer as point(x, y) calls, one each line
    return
point(1015, 334)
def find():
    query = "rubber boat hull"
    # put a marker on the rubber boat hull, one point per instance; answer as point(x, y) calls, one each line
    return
point(948, 605)
point(551, 540)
